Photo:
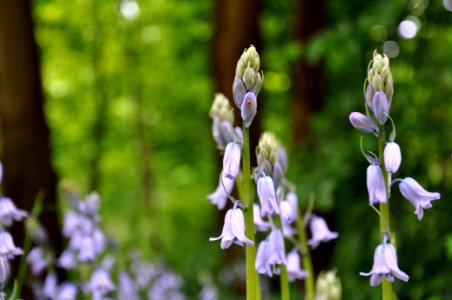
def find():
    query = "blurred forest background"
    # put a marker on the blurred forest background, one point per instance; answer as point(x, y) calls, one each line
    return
point(123, 110)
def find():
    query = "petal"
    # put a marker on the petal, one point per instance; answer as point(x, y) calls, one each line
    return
point(248, 109)
point(376, 184)
point(391, 260)
point(238, 226)
point(231, 160)
point(392, 157)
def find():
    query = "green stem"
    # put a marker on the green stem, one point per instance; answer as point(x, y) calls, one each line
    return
point(252, 279)
point(284, 281)
point(306, 256)
point(386, 286)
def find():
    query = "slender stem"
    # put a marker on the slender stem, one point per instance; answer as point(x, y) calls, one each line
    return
point(252, 279)
point(386, 286)
point(306, 256)
point(284, 281)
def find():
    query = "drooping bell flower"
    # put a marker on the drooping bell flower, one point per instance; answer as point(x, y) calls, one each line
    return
point(276, 252)
point(262, 265)
point(267, 196)
point(380, 107)
point(259, 223)
point(248, 110)
point(233, 229)
point(9, 212)
point(417, 195)
point(320, 232)
point(223, 190)
point(393, 157)
point(376, 184)
point(363, 123)
point(385, 265)
point(293, 266)
point(231, 160)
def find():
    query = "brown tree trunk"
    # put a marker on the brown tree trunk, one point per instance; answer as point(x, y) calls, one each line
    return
point(236, 27)
point(307, 90)
point(24, 133)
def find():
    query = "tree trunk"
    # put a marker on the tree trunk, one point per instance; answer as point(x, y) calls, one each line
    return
point(24, 133)
point(307, 92)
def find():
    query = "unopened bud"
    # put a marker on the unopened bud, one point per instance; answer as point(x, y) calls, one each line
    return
point(328, 286)
point(363, 123)
point(267, 148)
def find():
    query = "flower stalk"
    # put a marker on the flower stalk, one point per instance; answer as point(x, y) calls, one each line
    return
point(386, 286)
point(252, 278)
point(306, 257)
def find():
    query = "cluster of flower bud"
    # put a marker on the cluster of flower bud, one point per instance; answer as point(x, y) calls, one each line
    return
point(247, 84)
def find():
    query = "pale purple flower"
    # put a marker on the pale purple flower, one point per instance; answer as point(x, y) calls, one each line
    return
point(363, 123)
point(50, 286)
point(393, 157)
point(233, 229)
point(67, 259)
point(166, 287)
point(287, 214)
point(4, 269)
point(208, 292)
point(37, 260)
point(239, 91)
point(292, 198)
point(7, 247)
point(99, 283)
point(66, 291)
point(376, 184)
point(380, 107)
point(90, 206)
point(231, 160)
point(287, 229)
point(267, 196)
point(293, 266)
point(259, 223)
point(320, 232)
point(276, 250)
point(385, 265)
point(248, 109)
point(9, 212)
point(417, 195)
point(127, 288)
point(220, 196)
point(261, 264)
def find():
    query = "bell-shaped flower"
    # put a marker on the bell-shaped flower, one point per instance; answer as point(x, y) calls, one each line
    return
point(376, 184)
point(276, 252)
point(259, 223)
point(224, 189)
point(380, 107)
point(262, 265)
point(393, 157)
point(99, 283)
point(7, 247)
point(293, 266)
point(363, 123)
point(320, 232)
point(385, 265)
point(267, 196)
point(248, 109)
point(238, 91)
point(292, 198)
point(37, 260)
point(4, 269)
point(9, 212)
point(231, 160)
point(233, 229)
point(286, 211)
point(417, 195)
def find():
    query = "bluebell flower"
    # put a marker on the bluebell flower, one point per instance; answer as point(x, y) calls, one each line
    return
point(287, 213)
point(233, 229)
point(293, 266)
point(417, 195)
point(231, 160)
point(248, 110)
point(262, 264)
point(320, 232)
point(363, 123)
point(166, 286)
point(223, 190)
point(385, 265)
point(127, 288)
point(7, 247)
point(393, 157)
point(292, 198)
point(9, 212)
point(100, 283)
point(37, 260)
point(239, 91)
point(259, 223)
point(276, 252)
point(380, 107)
point(376, 184)
point(267, 196)
point(4, 269)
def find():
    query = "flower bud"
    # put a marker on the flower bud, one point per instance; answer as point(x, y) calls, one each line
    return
point(221, 109)
point(363, 123)
point(267, 148)
point(248, 108)
point(380, 107)
point(393, 157)
point(379, 79)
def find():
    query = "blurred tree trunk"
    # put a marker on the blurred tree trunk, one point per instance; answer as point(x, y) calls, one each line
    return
point(24, 133)
point(307, 90)
point(236, 27)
